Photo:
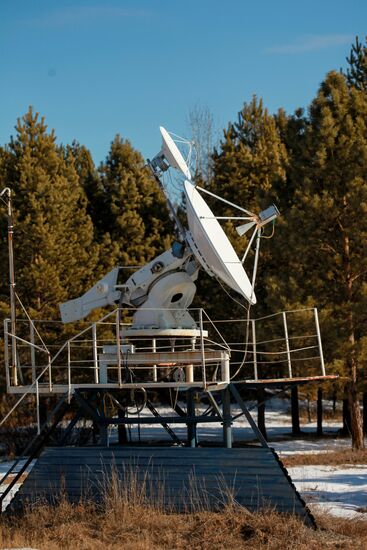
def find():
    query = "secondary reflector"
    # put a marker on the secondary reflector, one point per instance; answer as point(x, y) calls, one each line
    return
point(172, 154)
point(211, 245)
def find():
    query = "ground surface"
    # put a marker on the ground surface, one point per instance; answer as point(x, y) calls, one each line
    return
point(341, 490)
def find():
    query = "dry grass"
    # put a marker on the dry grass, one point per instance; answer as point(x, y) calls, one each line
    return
point(141, 527)
point(335, 458)
point(126, 518)
point(129, 519)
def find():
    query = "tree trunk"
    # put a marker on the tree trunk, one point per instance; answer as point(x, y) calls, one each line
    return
point(351, 360)
point(346, 417)
point(319, 412)
point(261, 411)
point(295, 411)
point(355, 417)
point(309, 416)
point(365, 413)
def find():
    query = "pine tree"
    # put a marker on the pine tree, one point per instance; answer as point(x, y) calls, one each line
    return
point(249, 164)
point(54, 251)
point(357, 70)
point(327, 225)
point(252, 157)
point(133, 223)
point(89, 177)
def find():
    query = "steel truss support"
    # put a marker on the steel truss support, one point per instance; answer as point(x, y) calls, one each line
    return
point(247, 414)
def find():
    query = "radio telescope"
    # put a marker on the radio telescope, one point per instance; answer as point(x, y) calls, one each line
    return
point(167, 347)
point(163, 290)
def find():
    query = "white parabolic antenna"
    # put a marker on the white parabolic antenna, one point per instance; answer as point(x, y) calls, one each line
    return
point(172, 154)
point(212, 246)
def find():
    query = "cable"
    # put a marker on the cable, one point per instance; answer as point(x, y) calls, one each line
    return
point(272, 233)
point(246, 344)
point(231, 297)
point(31, 322)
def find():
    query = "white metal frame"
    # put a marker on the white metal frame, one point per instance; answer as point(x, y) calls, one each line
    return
point(196, 360)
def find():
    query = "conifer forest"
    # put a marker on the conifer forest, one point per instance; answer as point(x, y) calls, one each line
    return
point(74, 221)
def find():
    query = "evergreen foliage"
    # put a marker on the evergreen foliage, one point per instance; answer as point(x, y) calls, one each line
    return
point(357, 61)
point(54, 250)
point(249, 169)
point(74, 222)
point(323, 242)
point(132, 219)
point(89, 178)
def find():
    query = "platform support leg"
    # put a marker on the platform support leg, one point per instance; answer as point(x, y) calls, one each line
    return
point(227, 419)
point(296, 430)
point(103, 435)
point(121, 429)
point(191, 426)
point(43, 412)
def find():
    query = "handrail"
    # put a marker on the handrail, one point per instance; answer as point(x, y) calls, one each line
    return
point(213, 325)
point(80, 333)
point(24, 394)
point(28, 343)
point(36, 380)
point(244, 320)
point(112, 319)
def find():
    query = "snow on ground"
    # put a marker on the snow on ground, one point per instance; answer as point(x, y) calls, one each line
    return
point(4, 468)
point(341, 491)
point(278, 426)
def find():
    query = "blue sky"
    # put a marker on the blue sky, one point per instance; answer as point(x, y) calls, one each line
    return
point(96, 68)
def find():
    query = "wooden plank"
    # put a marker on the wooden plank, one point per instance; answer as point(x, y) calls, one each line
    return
point(166, 477)
point(132, 465)
point(162, 473)
point(165, 474)
point(244, 491)
point(163, 451)
point(175, 450)
point(135, 461)
point(184, 452)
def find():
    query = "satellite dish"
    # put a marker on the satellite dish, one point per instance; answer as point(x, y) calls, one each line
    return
point(170, 156)
point(211, 245)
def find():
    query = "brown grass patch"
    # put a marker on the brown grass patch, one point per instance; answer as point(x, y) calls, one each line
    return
point(334, 458)
point(140, 527)
point(126, 518)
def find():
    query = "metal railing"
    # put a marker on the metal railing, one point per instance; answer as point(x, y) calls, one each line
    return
point(285, 348)
point(81, 353)
point(78, 362)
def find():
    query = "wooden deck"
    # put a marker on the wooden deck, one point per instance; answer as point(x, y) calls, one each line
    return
point(180, 478)
point(60, 388)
